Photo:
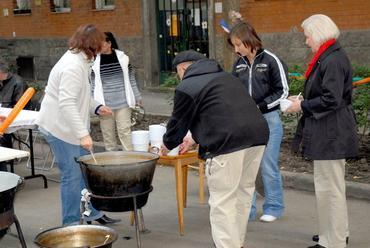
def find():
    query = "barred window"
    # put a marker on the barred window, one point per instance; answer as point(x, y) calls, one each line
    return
point(21, 7)
point(103, 4)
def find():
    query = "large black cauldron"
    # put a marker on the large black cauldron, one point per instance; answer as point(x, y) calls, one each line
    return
point(118, 174)
point(9, 183)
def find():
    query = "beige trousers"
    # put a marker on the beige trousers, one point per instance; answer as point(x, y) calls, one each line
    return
point(330, 190)
point(120, 120)
point(231, 182)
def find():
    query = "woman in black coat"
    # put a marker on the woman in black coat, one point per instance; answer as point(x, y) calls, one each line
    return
point(326, 133)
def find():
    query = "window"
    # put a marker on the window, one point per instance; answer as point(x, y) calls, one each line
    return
point(103, 4)
point(60, 6)
point(22, 7)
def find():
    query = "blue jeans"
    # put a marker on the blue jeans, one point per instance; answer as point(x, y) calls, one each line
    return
point(72, 181)
point(270, 170)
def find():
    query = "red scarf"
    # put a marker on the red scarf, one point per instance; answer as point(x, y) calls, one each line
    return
point(317, 55)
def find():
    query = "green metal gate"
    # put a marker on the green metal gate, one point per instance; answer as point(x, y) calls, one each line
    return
point(182, 25)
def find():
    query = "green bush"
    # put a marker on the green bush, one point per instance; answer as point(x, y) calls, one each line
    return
point(361, 105)
point(171, 80)
point(296, 85)
point(361, 71)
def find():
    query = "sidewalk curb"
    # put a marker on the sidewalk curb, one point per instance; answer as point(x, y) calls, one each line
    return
point(300, 181)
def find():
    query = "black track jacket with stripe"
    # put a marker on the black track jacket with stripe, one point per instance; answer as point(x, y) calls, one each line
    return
point(266, 79)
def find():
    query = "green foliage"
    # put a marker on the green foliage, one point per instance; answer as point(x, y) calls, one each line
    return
point(171, 80)
point(38, 86)
point(296, 68)
point(296, 85)
point(296, 80)
point(361, 104)
point(361, 71)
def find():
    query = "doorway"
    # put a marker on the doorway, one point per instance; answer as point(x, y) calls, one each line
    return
point(181, 25)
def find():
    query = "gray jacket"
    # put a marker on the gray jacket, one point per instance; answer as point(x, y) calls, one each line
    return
point(11, 90)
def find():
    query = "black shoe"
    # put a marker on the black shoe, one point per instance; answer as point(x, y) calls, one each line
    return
point(316, 238)
point(105, 220)
point(316, 246)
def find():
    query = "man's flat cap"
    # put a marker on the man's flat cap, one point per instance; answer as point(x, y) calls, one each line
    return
point(185, 56)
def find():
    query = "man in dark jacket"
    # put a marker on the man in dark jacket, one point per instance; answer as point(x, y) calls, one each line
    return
point(12, 88)
point(231, 133)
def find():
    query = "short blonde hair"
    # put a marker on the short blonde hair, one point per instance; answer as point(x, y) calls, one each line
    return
point(321, 28)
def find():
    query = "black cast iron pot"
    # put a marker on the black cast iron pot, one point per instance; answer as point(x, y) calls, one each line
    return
point(9, 183)
point(118, 175)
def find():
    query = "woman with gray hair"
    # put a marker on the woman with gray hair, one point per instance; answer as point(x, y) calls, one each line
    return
point(326, 132)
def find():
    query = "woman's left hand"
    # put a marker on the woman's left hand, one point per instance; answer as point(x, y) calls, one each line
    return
point(104, 111)
point(295, 107)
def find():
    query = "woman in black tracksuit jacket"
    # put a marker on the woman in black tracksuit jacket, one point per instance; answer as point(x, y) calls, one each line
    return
point(265, 77)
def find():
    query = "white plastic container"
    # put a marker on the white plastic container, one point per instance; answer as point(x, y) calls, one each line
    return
point(156, 134)
point(140, 147)
point(140, 140)
point(174, 151)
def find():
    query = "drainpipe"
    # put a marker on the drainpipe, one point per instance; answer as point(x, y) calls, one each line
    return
point(211, 29)
point(150, 49)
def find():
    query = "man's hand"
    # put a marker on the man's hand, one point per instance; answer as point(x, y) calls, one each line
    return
point(163, 151)
point(104, 111)
point(86, 142)
point(186, 144)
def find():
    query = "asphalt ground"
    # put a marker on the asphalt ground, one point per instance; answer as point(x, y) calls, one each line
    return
point(38, 209)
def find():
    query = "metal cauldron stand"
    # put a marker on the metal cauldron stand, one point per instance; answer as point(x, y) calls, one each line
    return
point(7, 215)
point(7, 219)
point(133, 196)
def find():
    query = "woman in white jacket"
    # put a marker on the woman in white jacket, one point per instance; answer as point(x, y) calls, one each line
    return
point(64, 118)
point(114, 85)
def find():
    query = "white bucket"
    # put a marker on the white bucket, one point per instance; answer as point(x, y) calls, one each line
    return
point(140, 147)
point(156, 134)
point(140, 140)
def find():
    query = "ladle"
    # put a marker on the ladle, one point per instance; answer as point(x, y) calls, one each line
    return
point(92, 155)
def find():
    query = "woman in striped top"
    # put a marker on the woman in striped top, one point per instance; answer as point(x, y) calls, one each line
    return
point(114, 85)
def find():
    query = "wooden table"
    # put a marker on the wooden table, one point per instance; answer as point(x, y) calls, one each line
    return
point(181, 162)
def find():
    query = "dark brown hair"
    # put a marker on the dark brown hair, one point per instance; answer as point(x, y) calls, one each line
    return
point(87, 39)
point(247, 34)
point(109, 37)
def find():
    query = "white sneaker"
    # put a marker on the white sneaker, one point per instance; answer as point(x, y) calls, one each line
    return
point(267, 218)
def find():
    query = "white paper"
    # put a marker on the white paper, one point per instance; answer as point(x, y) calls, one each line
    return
point(197, 17)
point(218, 7)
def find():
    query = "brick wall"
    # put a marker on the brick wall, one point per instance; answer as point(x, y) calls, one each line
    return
point(287, 15)
point(123, 21)
point(278, 24)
